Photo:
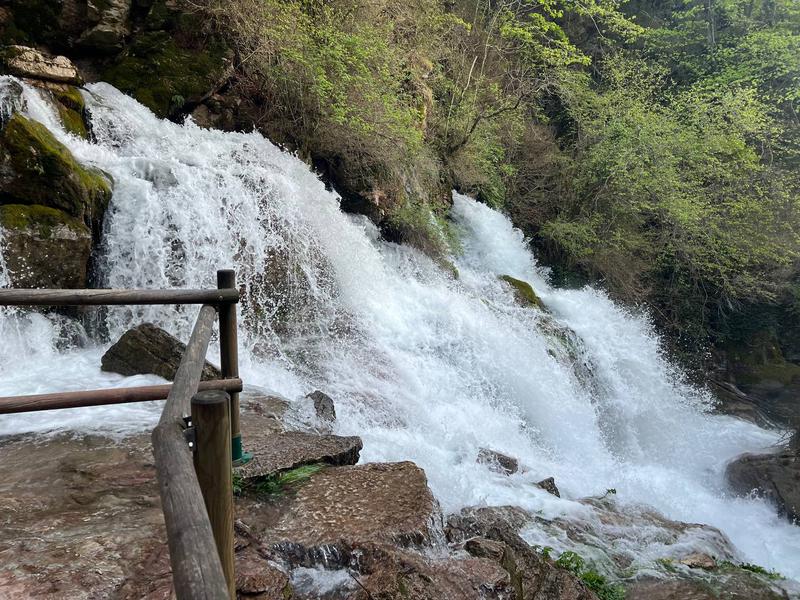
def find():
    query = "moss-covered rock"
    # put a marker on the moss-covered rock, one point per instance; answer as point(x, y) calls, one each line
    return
point(35, 168)
point(165, 76)
point(72, 110)
point(44, 247)
point(524, 292)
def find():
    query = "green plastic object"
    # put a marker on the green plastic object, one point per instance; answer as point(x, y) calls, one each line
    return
point(240, 457)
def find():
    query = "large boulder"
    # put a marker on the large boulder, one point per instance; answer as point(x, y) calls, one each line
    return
point(44, 247)
point(34, 64)
point(331, 519)
point(35, 168)
point(148, 349)
point(775, 477)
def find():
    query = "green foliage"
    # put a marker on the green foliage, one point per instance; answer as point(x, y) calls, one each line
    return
point(656, 150)
point(238, 484)
point(277, 484)
point(757, 569)
point(670, 192)
point(575, 564)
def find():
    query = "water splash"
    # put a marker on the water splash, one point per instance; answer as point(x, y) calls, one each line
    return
point(423, 366)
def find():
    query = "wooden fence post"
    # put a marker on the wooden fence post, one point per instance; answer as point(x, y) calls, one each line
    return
point(212, 463)
point(229, 360)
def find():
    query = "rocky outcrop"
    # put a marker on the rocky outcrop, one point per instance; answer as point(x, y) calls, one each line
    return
point(493, 533)
point(44, 247)
point(166, 76)
point(276, 452)
point(33, 64)
point(148, 349)
point(775, 477)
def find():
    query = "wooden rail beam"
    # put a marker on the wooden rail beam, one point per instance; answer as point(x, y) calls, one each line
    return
point(36, 297)
point(187, 377)
point(196, 569)
point(212, 463)
point(229, 361)
point(18, 404)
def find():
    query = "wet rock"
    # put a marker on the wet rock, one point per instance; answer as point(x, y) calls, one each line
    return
point(497, 461)
point(406, 575)
point(773, 476)
point(698, 560)
point(492, 532)
point(323, 406)
point(44, 247)
point(331, 518)
point(549, 485)
point(276, 452)
point(80, 518)
point(29, 62)
point(257, 577)
point(265, 412)
point(524, 292)
point(35, 168)
point(734, 586)
point(147, 349)
point(736, 403)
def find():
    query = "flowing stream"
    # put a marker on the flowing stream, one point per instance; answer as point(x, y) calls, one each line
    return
point(422, 365)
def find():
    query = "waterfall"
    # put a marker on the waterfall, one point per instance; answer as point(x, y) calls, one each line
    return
point(424, 366)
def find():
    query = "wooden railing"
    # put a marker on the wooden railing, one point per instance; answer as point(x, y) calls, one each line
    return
point(197, 437)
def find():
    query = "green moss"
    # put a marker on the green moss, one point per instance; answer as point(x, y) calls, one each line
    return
point(162, 76)
point(42, 219)
point(47, 173)
point(524, 292)
point(72, 110)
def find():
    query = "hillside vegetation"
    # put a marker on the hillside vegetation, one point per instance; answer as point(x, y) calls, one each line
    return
point(653, 146)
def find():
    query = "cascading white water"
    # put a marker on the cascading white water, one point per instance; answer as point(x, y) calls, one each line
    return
point(423, 366)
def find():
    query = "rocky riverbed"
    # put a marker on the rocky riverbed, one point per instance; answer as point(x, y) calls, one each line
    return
point(80, 518)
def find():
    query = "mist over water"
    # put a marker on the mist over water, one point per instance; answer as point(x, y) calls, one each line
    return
point(422, 365)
